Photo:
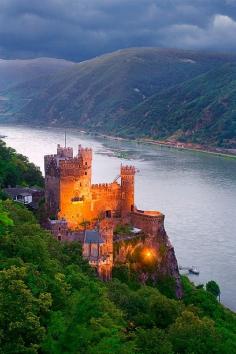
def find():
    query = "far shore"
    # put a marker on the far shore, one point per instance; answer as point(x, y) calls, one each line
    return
point(183, 146)
point(166, 143)
point(169, 144)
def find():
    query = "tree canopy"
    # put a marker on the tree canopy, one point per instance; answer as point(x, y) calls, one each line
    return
point(15, 169)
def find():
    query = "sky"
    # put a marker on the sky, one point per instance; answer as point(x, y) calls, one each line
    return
point(82, 29)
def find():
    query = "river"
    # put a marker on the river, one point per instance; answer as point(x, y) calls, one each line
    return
point(195, 191)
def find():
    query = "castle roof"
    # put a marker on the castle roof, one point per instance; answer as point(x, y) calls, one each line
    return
point(24, 191)
point(92, 236)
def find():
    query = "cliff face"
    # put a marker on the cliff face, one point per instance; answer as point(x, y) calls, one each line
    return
point(150, 253)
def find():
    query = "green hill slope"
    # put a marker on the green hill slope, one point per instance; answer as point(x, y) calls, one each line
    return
point(202, 110)
point(30, 75)
point(96, 92)
point(136, 92)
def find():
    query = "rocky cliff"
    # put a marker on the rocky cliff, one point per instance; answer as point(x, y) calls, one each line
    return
point(149, 253)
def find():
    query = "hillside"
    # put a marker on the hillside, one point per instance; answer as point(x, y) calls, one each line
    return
point(14, 73)
point(136, 92)
point(52, 302)
point(201, 110)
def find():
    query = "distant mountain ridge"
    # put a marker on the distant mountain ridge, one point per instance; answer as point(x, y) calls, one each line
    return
point(15, 71)
point(136, 92)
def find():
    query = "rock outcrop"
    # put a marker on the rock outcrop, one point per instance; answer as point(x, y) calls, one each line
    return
point(149, 253)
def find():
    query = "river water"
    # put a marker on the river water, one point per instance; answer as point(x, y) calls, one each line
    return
point(195, 191)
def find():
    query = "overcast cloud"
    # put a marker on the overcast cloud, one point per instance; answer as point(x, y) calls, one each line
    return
point(81, 29)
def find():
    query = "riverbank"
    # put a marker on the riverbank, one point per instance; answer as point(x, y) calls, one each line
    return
point(171, 144)
point(190, 147)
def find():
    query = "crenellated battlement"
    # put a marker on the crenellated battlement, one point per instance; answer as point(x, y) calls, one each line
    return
point(48, 158)
point(81, 149)
point(66, 152)
point(105, 186)
point(72, 167)
point(85, 153)
point(127, 170)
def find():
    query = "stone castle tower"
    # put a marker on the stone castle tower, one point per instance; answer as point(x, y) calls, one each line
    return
point(75, 187)
point(127, 190)
point(70, 194)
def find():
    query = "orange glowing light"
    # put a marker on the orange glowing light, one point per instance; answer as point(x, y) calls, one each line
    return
point(148, 254)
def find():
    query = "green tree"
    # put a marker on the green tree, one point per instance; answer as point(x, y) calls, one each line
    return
point(152, 341)
point(213, 288)
point(190, 334)
point(21, 328)
point(15, 169)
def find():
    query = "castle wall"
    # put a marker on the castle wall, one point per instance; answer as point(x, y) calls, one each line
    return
point(151, 222)
point(106, 199)
point(105, 268)
point(75, 202)
point(59, 229)
point(52, 185)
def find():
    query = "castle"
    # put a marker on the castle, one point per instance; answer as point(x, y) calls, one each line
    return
point(71, 195)
point(89, 212)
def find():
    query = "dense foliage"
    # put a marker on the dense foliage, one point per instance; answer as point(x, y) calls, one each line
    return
point(51, 302)
point(15, 169)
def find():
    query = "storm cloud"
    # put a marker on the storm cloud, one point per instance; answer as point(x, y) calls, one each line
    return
point(81, 29)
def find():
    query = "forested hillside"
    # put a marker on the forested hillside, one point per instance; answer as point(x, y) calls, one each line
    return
point(201, 110)
point(52, 302)
point(15, 169)
point(136, 92)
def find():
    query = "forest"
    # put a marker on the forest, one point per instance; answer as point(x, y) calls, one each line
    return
point(52, 302)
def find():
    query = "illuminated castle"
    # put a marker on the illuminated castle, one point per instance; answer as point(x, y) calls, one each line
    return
point(89, 212)
point(71, 196)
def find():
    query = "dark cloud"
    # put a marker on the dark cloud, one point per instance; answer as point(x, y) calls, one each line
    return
point(80, 29)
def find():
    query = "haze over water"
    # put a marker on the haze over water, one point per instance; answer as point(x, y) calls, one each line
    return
point(195, 191)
